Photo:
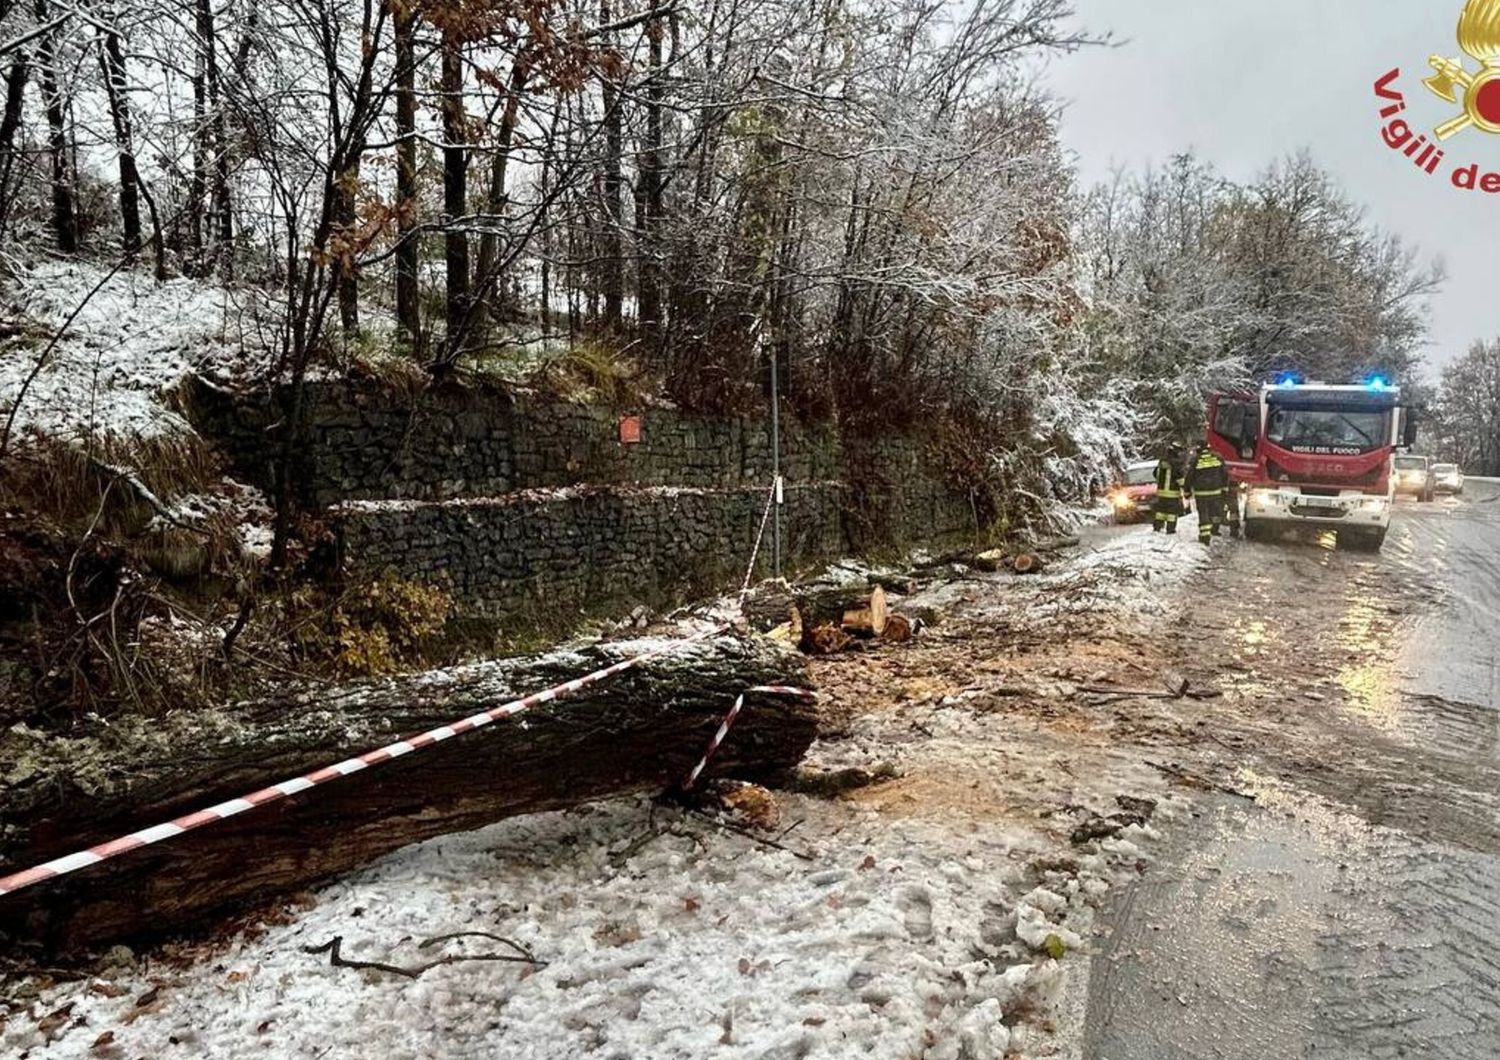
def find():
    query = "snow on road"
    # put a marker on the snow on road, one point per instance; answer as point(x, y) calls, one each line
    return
point(896, 924)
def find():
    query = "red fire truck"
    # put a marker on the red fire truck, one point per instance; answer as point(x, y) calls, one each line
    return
point(1314, 455)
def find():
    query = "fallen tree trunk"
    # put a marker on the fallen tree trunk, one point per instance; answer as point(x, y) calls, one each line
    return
point(641, 730)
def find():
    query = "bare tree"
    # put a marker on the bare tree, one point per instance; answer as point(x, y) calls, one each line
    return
point(408, 308)
point(10, 124)
point(59, 142)
point(116, 84)
point(455, 193)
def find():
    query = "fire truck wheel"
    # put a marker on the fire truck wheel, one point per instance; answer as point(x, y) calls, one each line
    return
point(1363, 539)
point(1257, 530)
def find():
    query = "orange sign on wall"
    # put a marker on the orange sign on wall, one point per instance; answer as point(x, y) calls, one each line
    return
point(630, 430)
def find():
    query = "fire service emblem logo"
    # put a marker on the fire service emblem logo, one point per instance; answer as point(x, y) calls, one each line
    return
point(1476, 94)
point(1479, 36)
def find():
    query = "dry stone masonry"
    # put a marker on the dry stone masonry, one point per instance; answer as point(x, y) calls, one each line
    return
point(529, 505)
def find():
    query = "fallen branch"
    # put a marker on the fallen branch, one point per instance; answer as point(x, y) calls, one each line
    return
point(1055, 544)
point(1126, 693)
point(828, 783)
point(748, 834)
point(523, 953)
point(1115, 694)
point(1193, 780)
point(336, 959)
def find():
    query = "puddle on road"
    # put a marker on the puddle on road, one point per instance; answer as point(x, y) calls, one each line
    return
point(1291, 928)
point(1297, 927)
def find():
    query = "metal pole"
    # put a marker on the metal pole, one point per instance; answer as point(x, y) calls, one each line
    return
point(775, 467)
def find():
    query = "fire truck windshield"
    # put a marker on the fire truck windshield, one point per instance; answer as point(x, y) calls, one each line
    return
point(1325, 430)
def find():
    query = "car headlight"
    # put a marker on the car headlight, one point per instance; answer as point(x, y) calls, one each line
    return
point(1122, 501)
point(1374, 503)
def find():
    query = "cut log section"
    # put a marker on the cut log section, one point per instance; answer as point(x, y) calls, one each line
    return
point(825, 639)
point(898, 630)
point(766, 609)
point(869, 620)
point(818, 605)
point(1027, 563)
point(642, 730)
point(991, 561)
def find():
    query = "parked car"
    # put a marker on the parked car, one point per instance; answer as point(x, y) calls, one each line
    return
point(1447, 478)
point(1132, 495)
point(1412, 474)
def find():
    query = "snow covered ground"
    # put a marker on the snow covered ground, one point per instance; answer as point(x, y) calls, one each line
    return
point(131, 343)
point(935, 916)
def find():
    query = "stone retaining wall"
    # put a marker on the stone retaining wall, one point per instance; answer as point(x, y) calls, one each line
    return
point(365, 443)
point(556, 551)
point(519, 501)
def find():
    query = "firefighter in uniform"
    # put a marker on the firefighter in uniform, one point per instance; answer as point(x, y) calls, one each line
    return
point(1166, 507)
point(1207, 484)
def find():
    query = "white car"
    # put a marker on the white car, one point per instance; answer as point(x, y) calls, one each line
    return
point(1411, 474)
point(1447, 478)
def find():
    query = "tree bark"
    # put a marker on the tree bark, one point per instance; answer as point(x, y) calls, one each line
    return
point(649, 198)
point(345, 276)
point(455, 196)
point(408, 308)
point(488, 286)
point(15, 94)
point(116, 85)
point(612, 261)
point(642, 730)
point(768, 608)
point(214, 140)
point(64, 179)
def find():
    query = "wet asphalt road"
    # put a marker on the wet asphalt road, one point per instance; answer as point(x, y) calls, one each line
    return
point(1353, 909)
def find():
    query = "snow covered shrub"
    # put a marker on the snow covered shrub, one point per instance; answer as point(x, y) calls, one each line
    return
point(1084, 440)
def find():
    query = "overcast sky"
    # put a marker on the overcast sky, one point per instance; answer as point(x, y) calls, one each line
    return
point(1243, 83)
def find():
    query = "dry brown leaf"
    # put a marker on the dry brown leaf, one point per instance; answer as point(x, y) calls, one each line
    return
point(53, 1022)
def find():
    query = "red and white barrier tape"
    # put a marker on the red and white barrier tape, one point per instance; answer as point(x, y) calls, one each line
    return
point(734, 712)
point(295, 785)
point(760, 535)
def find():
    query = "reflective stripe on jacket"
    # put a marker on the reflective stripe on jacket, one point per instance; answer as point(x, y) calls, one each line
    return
point(1168, 482)
point(1209, 477)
